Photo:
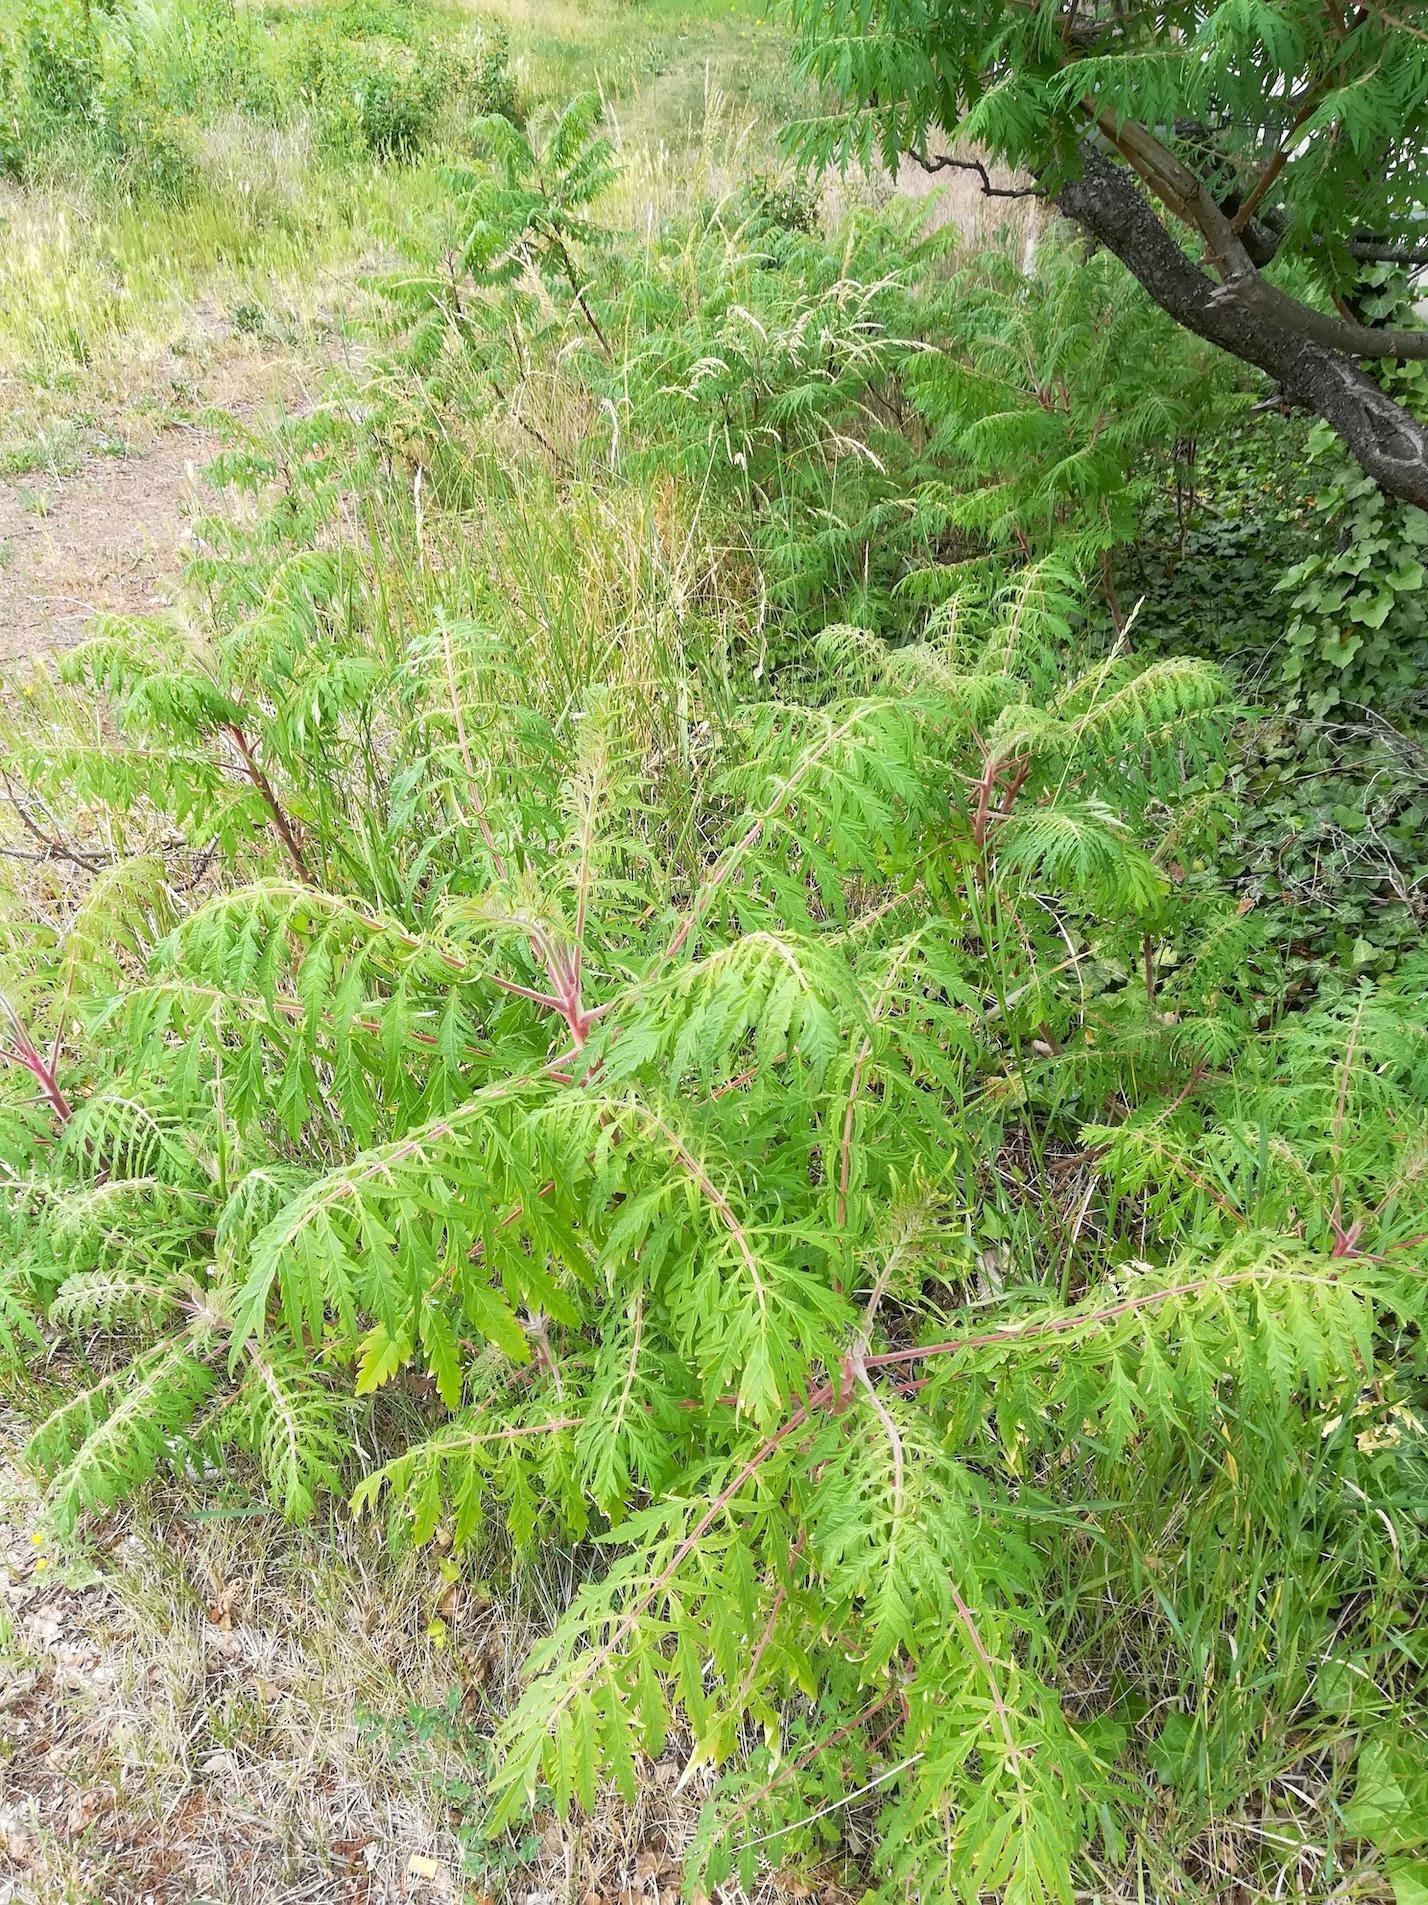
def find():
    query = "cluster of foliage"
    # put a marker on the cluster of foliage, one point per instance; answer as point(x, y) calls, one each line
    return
point(1027, 83)
point(1271, 552)
point(888, 422)
point(129, 83)
point(1234, 516)
point(717, 1202)
point(636, 906)
point(1282, 142)
point(878, 422)
point(884, 427)
point(1359, 633)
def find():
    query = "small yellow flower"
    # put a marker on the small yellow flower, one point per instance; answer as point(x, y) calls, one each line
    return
point(40, 1562)
point(38, 1540)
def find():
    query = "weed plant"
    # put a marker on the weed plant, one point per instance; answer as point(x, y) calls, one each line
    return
point(127, 84)
point(632, 904)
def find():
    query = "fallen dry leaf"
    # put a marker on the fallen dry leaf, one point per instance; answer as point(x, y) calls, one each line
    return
point(221, 1612)
point(86, 1809)
point(423, 1873)
point(18, 1690)
point(16, 1846)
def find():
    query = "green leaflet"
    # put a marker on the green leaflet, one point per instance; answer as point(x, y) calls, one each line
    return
point(771, 1101)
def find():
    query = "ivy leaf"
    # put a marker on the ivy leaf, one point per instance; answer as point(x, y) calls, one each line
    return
point(1409, 1879)
point(1390, 1802)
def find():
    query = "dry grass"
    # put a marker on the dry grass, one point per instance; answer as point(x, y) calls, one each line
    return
point(118, 319)
point(206, 1705)
point(201, 1705)
point(183, 1707)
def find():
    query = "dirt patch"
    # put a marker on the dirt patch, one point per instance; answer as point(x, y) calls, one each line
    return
point(204, 1706)
point(110, 537)
point(112, 533)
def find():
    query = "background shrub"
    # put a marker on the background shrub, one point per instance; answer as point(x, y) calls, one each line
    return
point(130, 88)
point(62, 63)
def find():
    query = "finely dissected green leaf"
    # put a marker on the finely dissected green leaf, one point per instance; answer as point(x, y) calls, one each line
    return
point(677, 1012)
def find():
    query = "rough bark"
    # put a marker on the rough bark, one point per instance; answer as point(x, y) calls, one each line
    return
point(1391, 445)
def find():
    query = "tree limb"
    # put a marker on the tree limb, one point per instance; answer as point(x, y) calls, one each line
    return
point(1180, 190)
point(1391, 445)
point(946, 162)
point(54, 849)
point(1335, 334)
point(1280, 157)
point(1392, 19)
point(1186, 196)
point(1373, 253)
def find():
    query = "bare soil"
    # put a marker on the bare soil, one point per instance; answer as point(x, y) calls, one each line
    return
point(112, 534)
point(206, 1707)
point(110, 537)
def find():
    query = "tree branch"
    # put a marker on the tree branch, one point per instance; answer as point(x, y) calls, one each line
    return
point(1319, 375)
point(1280, 157)
point(1335, 334)
point(1392, 19)
point(53, 848)
point(1374, 253)
point(945, 162)
point(1180, 190)
point(1186, 196)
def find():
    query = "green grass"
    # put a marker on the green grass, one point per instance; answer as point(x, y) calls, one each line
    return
point(114, 295)
point(656, 60)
